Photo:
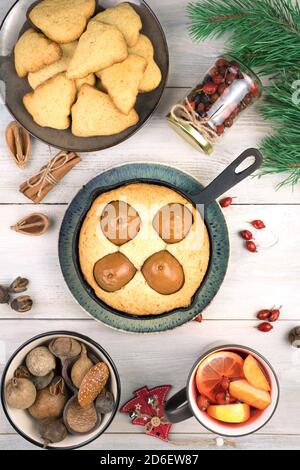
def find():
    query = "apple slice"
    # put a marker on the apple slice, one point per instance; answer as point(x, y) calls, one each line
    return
point(237, 413)
point(243, 391)
point(255, 375)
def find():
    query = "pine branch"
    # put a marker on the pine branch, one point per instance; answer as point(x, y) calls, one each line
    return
point(265, 34)
point(282, 150)
point(281, 155)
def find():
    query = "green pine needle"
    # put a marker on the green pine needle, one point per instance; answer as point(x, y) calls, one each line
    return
point(281, 155)
point(265, 34)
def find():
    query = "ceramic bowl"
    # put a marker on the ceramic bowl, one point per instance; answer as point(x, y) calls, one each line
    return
point(15, 88)
point(24, 424)
point(68, 248)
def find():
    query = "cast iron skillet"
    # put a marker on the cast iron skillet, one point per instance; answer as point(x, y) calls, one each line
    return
point(189, 188)
point(14, 88)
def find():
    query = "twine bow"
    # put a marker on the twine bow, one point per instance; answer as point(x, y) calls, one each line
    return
point(153, 421)
point(46, 173)
point(185, 114)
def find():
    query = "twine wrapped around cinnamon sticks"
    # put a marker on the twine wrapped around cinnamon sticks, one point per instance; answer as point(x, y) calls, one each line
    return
point(185, 114)
point(38, 186)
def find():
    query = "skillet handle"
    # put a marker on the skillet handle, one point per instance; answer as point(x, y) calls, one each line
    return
point(229, 178)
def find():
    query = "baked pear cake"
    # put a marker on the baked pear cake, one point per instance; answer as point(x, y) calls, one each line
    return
point(144, 249)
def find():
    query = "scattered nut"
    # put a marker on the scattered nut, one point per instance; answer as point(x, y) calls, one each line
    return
point(294, 337)
point(22, 304)
point(4, 295)
point(19, 285)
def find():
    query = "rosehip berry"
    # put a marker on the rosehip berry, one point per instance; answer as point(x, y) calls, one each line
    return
point(214, 97)
point(251, 247)
point(255, 90)
point(274, 315)
point(220, 129)
point(199, 318)
point(263, 314)
point(230, 78)
point(242, 106)
point(222, 63)
point(203, 402)
point(214, 71)
point(210, 88)
point(265, 327)
point(229, 122)
point(223, 71)
point(234, 113)
point(222, 88)
point(246, 235)
point(225, 382)
point(258, 224)
point(220, 398)
point(223, 398)
point(226, 202)
point(247, 100)
point(218, 79)
point(201, 107)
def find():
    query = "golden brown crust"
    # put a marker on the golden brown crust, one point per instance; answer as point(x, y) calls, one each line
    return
point(137, 298)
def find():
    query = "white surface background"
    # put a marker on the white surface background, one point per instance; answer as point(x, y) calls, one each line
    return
point(254, 281)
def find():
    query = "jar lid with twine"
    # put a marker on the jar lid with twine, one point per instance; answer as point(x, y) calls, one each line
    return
point(186, 122)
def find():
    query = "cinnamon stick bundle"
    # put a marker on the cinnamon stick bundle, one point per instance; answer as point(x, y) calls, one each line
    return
point(38, 186)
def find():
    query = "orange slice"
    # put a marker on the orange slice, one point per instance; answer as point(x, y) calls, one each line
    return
point(239, 413)
point(212, 371)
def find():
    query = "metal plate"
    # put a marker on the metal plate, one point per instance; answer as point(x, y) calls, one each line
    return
point(14, 88)
point(68, 248)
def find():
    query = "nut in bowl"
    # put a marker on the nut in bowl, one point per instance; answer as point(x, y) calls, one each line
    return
point(60, 390)
point(232, 391)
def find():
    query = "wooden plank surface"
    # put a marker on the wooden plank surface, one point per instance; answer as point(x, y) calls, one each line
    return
point(253, 281)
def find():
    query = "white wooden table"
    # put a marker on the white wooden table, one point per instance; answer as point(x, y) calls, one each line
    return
point(254, 281)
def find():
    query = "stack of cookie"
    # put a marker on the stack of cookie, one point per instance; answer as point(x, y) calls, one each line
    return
point(85, 71)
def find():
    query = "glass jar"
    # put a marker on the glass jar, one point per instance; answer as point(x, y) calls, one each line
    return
point(212, 106)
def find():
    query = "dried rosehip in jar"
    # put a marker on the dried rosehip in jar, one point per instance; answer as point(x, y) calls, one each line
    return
point(210, 88)
point(222, 63)
point(218, 79)
point(228, 88)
